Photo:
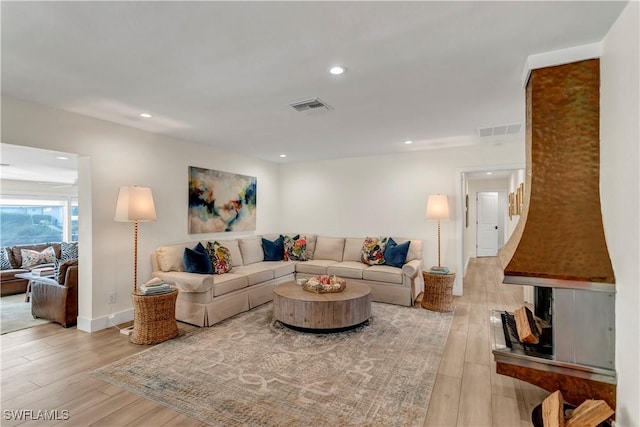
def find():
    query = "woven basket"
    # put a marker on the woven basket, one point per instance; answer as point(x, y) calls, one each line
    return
point(154, 318)
point(337, 285)
point(438, 291)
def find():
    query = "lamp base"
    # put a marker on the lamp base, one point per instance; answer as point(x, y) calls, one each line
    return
point(440, 269)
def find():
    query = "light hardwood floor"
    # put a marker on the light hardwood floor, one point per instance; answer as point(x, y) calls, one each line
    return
point(47, 368)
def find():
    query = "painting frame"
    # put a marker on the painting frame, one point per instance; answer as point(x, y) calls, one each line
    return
point(220, 201)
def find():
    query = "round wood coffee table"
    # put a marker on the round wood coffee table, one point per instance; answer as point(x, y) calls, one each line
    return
point(302, 309)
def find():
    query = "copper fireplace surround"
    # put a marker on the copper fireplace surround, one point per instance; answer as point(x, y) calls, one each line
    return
point(559, 242)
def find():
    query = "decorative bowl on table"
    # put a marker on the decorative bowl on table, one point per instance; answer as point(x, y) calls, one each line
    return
point(325, 284)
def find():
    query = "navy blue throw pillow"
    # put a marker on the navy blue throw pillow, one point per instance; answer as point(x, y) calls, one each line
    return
point(273, 251)
point(197, 260)
point(395, 254)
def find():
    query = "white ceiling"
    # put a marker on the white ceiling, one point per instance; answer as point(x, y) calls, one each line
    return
point(21, 163)
point(223, 73)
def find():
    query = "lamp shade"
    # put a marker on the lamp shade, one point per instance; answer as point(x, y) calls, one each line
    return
point(135, 204)
point(438, 207)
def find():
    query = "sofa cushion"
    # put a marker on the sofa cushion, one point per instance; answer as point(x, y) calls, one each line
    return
point(169, 257)
point(373, 250)
point(197, 260)
point(353, 249)
point(251, 249)
point(68, 250)
point(5, 264)
point(220, 257)
point(415, 248)
point(256, 273)
point(31, 258)
point(234, 250)
point(329, 248)
point(229, 282)
point(347, 269)
point(273, 250)
point(395, 254)
point(311, 244)
point(315, 266)
point(383, 273)
point(295, 248)
point(282, 268)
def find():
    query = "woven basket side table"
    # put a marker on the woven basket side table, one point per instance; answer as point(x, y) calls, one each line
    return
point(438, 291)
point(154, 318)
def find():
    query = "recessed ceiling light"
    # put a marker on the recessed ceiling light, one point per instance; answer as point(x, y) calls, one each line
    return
point(337, 70)
point(489, 173)
point(145, 115)
point(408, 142)
point(283, 155)
point(62, 158)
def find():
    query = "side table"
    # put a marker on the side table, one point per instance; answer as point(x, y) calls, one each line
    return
point(154, 318)
point(438, 291)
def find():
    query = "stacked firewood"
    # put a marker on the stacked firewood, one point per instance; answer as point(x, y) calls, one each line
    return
point(589, 414)
point(528, 329)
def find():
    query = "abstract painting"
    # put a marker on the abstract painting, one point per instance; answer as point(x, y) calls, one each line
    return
point(221, 201)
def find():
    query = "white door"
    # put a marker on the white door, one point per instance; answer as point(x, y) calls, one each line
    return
point(487, 224)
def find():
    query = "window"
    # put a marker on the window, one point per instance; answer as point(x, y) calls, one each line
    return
point(28, 221)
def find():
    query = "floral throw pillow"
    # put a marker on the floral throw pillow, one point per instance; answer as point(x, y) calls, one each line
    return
point(295, 248)
point(220, 257)
point(373, 250)
point(32, 258)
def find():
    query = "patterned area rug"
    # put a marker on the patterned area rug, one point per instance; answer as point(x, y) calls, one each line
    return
point(251, 370)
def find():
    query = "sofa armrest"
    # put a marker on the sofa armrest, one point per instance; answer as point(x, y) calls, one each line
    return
point(412, 268)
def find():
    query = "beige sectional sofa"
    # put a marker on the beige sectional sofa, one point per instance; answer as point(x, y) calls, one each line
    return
point(206, 299)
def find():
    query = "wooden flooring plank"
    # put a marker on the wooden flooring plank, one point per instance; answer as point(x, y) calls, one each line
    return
point(68, 388)
point(128, 414)
point(445, 399)
point(101, 410)
point(478, 345)
point(160, 415)
point(475, 408)
point(505, 411)
point(72, 407)
point(452, 362)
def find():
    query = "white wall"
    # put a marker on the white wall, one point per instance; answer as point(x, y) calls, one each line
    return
point(516, 178)
point(111, 156)
point(387, 195)
point(620, 192)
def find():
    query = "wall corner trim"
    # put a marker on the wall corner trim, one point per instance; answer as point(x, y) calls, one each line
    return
point(560, 57)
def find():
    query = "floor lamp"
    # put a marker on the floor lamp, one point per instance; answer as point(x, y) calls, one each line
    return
point(438, 209)
point(135, 204)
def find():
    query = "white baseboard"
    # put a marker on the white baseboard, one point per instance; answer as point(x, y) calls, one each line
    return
point(104, 322)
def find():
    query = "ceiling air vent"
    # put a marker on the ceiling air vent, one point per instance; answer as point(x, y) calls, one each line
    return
point(501, 130)
point(313, 104)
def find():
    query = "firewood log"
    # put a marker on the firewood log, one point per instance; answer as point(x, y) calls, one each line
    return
point(526, 326)
point(553, 410)
point(590, 413)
